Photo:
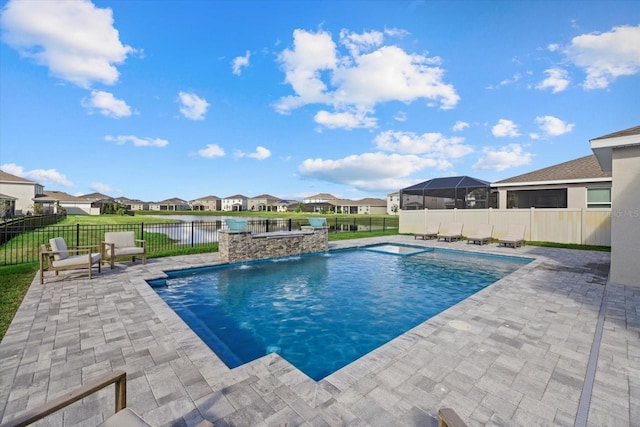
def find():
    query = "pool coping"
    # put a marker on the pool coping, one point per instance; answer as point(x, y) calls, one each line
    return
point(175, 378)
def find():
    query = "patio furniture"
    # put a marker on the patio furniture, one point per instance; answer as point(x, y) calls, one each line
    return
point(55, 256)
point(482, 236)
point(123, 244)
point(447, 417)
point(514, 237)
point(431, 233)
point(453, 232)
point(123, 416)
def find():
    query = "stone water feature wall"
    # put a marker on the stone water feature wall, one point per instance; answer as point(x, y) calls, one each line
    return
point(239, 246)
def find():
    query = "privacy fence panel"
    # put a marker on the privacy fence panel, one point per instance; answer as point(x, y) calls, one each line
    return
point(576, 226)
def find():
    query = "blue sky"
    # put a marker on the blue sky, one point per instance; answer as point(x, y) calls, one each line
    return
point(158, 99)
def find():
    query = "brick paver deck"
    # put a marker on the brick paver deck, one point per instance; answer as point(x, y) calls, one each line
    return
point(516, 353)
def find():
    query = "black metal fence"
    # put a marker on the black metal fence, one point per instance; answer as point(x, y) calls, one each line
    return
point(21, 242)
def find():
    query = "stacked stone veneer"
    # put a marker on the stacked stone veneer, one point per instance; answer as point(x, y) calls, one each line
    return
point(239, 246)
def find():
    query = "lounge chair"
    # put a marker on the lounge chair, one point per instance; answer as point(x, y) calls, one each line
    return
point(121, 244)
point(482, 236)
point(453, 232)
point(431, 233)
point(514, 237)
point(54, 256)
point(123, 416)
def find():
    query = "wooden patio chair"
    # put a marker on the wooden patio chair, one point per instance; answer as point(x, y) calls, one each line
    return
point(55, 256)
point(123, 244)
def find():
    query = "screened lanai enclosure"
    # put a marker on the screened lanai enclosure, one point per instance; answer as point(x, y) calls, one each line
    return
point(462, 192)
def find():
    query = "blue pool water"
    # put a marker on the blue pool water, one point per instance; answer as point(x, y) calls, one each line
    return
point(322, 312)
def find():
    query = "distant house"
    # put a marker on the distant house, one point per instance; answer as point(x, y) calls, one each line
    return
point(263, 203)
point(234, 203)
point(173, 204)
point(97, 197)
point(18, 193)
point(133, 204)
point(52, 201)
point(320, 198)
point(393, 203)
point(371, 206)
point(579, 183)
point(287, 205)
point(207, 203)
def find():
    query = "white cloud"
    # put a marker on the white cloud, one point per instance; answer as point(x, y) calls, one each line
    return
point(74, 39)
point(430, 144)
point(553, 47)
point(192, 106)
point(505, 128)
point(345, 120)
point(211, 151)
point(367, 74)
point(101, 188)
point(557, 80)
point(107, 104)
point(516, 77)
point(40, 176)
point(553, 126)
point(503, 158)
point(606, 56)
point(240, 62)
point(261, 153)
point(368, 171)
point(136, 141)
point(460, 126)
point(400, 116)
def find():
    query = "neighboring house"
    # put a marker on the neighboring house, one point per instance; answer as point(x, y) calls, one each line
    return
point(264, 203)
point(579, 183)
point(393, 203)
point(19, 192)
point(97, 197)
point(234, 203)
point(7, 206)
point(133, 204)
point(51, 201)
point(371, 206)
point(287, 205)
point(207, 203)
point(618, 154)
point(320, 198)
point(173, 204)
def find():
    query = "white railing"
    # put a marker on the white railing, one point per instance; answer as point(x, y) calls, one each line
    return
point(579, 226)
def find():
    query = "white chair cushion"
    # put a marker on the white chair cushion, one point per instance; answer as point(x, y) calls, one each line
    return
point(121, 239)
point(80, 260)
point(125, 417)
point(58, 244)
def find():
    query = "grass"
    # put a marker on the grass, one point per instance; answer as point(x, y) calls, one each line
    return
point(14, 283)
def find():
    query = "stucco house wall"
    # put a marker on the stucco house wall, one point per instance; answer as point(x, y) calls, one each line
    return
point(619, 153)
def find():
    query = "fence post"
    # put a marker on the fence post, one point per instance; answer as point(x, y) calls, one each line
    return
point(77, 234)
point(370, 230)
point(192, 233)
point(142, 230)
point(290, 224)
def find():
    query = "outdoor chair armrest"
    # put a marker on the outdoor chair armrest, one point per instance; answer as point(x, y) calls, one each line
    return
point(118, 377)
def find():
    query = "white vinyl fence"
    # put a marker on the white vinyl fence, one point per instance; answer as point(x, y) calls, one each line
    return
point(579, 226)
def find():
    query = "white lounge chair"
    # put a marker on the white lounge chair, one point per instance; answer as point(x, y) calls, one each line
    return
point(452, 232)
point(514, 237)
point(55, 256)
point(431, 233)
point(120, 244)
point(483, 235)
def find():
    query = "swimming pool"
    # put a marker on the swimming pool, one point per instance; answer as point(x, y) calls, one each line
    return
point(322, 312)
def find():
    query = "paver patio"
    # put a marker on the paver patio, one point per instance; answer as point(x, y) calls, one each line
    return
point(520, 352)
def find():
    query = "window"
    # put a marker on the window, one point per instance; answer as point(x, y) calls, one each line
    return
point(598, 197)
point(525, 199)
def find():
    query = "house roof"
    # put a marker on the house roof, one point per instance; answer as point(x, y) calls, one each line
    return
point(7, 177)
point(59, 196)
point(627, 132)
point(5, 197)
point(206, 198)
point(96, 196)
point(322, 196)
point(603, 146)
point(266, 196)
point(582, 169)
point(172, 201)
point(237, 196)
